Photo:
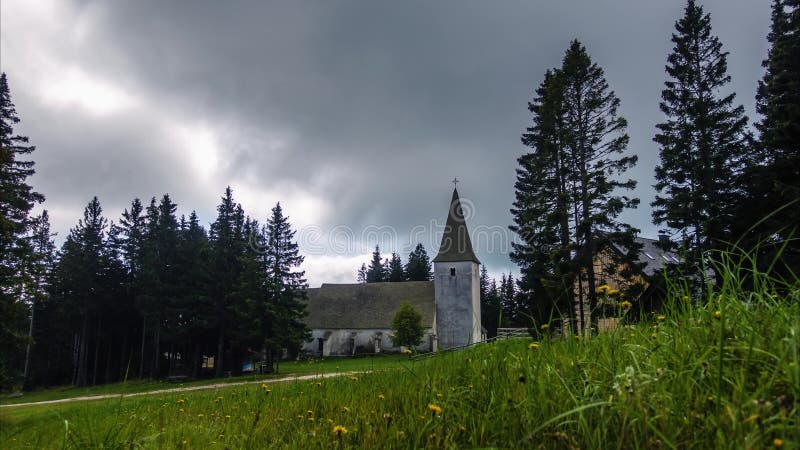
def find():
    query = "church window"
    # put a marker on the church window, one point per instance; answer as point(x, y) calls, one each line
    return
point(452, 271)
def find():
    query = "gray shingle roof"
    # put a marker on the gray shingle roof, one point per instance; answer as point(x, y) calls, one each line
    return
point(366, 305)
point(456, 244)
point(652, 255)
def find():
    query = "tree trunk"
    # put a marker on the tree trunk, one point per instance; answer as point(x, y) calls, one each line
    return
point(220, 348)
point(81, 378)
point(123, 357)
point(141, 356)
point(96, 354)
point(107, 372)
point(157, 350)
point(25, 381)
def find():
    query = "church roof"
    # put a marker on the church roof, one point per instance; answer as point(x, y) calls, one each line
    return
point(367, 305)
point(456, 245)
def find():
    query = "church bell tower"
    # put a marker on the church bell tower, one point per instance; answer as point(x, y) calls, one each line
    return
point(456, 283)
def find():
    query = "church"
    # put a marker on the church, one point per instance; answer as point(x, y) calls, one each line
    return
point(350, 319)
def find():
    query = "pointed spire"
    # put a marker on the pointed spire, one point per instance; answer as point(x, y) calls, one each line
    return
point(456, 245)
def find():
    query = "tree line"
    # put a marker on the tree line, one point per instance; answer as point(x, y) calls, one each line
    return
point(418, 267)
point(149, 295)
point(719, 187)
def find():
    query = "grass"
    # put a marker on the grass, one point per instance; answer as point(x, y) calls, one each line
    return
point(286, 369)
point(722, 374)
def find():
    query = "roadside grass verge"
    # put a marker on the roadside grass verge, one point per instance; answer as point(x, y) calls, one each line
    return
point(286, 369)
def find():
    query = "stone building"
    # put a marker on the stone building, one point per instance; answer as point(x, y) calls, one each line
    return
point(349, 319)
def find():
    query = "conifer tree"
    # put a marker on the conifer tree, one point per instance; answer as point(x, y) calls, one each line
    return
point(17, 198)
point(396, 272)
point(418, 267)
point(81, 270)
point(38, 271)
point(194, 303)
point(491, 308)
point(375, 271)
point(705, 145)
point(286, 285)
point(774, 186)
point(227, 245)
point(543, 207)
point(568, 192)
point(361, 276)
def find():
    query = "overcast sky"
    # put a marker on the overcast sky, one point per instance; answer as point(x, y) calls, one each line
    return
point(355, 115)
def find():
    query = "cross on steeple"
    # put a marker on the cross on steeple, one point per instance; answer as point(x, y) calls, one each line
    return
point(455, 182)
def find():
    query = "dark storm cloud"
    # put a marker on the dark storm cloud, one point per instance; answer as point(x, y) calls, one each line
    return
point(370, 108)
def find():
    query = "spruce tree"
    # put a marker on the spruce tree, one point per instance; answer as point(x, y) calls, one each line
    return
point(569, 191)
point(226, 247)
point(193, 301)
point(418, 267)
point(774, 186)
point(361, 276)
point(543, 207)
point(286, 285)
point(375, 271)
point(17, 198)
point(81, 268)
point(595, 138)
point(705, 145)
point(396, 272)
point(38, 270)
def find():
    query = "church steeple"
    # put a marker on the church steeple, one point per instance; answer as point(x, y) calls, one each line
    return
point(456, 244)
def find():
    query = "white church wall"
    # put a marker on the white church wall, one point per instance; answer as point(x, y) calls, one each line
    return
point(457, 303)
point(344, 342)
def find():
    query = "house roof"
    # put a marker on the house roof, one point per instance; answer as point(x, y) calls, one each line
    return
point(456, 244)
point(367, 305)
point(652, 255)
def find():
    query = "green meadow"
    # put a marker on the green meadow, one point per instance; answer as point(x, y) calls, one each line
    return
point(725, 374)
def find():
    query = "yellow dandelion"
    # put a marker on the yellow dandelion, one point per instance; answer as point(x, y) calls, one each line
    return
point(181, 401)
point(718, 314)
point(330, 420)
point(661, 318)
point(354, 378)
point(462, 428)
point(345, 409)
point(407, 351)
point(220, 436)
point(310, 412)
point(310, 419)
point(533, 346)
point(777, 442)
point(201, 415)
point(685, 298)
point(339, 430)
point(435, 409)
point(613, 292)
point(180, 410)
point(604, 288)
point(654, 336)
point(626, 304)
point(545, 326)
point(469, 386)
point(381, 396)
point(227, 416)
point(439, 395)
point(318, 384)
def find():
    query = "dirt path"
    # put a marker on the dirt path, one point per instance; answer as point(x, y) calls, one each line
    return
point(181, 389)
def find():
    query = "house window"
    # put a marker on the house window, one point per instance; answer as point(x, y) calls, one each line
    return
point(452, 271)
